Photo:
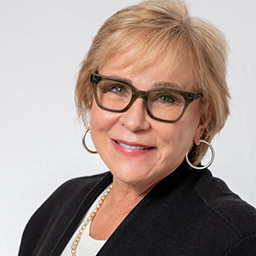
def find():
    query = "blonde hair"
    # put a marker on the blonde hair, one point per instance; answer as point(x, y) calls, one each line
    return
point(156, 28)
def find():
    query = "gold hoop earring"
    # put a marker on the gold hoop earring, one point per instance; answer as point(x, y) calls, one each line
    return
point(210, 162)
point(84, 141)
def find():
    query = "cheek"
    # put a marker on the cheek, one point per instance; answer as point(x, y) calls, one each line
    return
point(96, 115)
point(188, 130)
point(98, 126)
point(101, 120)
point(98, 118)
point(178, 137)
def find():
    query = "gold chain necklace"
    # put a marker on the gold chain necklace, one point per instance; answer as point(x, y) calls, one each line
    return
point(86, 222)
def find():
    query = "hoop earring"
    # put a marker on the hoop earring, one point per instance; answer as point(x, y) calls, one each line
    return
point(84, 142)
point(210, 162)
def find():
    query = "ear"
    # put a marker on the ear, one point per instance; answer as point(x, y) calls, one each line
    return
point(198, 133)
point(201, 127)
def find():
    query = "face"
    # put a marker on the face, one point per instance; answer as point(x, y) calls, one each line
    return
point(137, 149)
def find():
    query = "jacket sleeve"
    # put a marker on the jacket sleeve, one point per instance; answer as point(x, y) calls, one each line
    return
point(41, 222)
point(244, 247)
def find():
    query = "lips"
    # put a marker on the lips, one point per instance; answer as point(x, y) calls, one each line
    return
point(132, 146)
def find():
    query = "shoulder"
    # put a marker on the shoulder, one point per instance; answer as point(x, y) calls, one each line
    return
point(227, 206)
point(58, 211)
point(76, 189)
point(77, 185)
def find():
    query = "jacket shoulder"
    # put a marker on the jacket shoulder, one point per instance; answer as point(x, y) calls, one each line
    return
point(56, 214)
point(77, 185)
point(237, 213)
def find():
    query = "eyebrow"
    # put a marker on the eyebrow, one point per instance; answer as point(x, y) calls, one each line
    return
point(160, 84)
point(128, 81)
point(166, 85)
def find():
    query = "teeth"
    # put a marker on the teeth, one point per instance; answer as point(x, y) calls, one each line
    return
point(130, 147)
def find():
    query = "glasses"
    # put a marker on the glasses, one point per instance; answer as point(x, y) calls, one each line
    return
point(162, 104)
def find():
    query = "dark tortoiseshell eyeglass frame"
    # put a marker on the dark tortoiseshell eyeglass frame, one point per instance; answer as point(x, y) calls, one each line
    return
point(188, 96)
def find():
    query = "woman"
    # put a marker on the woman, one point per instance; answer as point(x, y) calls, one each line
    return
point(154, 83)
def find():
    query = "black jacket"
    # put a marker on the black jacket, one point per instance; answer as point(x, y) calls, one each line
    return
point(189, 213)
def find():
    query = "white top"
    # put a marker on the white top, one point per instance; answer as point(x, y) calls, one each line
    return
point(87, 245)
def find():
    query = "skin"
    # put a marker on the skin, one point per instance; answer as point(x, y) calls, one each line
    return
point(136, 171)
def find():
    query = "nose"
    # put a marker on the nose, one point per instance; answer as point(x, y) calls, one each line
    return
point(136, 117)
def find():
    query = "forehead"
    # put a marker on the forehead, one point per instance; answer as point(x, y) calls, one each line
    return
point(171, 67)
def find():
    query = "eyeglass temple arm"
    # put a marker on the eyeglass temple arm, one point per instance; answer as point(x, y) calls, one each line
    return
point(198, 95)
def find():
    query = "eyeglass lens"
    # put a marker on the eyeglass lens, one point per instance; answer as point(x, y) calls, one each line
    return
point(161, 103)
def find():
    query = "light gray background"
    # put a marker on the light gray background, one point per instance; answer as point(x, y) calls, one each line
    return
point(41, 46)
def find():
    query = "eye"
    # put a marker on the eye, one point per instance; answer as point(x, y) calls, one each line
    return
point(117, 88)
point(107, 87)
point(166, 98)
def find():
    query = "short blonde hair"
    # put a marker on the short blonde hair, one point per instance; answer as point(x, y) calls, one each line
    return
point(153, 28)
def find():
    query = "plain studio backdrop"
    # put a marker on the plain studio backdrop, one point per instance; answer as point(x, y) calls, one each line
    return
point(42, 44)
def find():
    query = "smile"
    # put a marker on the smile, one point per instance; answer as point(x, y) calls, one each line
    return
point(131, 147)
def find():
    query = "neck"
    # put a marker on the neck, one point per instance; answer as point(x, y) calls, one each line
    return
point(124, 197)
point(117, 205)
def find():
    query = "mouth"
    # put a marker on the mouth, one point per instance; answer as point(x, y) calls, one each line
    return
point(134, 147)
